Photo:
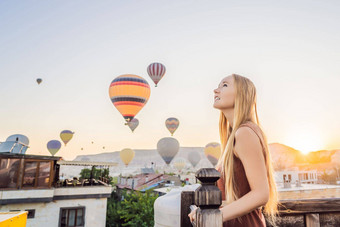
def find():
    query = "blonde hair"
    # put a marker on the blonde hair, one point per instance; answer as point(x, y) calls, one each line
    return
point(244, 110)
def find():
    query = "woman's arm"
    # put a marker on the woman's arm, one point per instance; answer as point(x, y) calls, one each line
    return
point(249, 150)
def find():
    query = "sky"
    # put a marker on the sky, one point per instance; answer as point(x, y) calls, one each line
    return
point(289, 49)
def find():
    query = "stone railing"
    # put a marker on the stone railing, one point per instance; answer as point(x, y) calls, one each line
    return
point(208, 198)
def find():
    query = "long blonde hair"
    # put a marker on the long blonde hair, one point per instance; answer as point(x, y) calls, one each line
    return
point(244, 110)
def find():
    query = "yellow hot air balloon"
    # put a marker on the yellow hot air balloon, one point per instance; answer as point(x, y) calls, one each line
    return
point(213, 152)
point(126, 155)
point(66, 136)
point(129, 93)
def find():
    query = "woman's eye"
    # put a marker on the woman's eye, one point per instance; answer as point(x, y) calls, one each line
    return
point(225, 85)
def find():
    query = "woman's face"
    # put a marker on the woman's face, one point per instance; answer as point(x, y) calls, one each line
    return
point(224, 95)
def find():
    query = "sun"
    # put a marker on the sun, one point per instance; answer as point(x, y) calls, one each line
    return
point(305, 142)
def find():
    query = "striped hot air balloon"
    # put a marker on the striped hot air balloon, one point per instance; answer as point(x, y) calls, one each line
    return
point(213, 152)
point(179, 164)
point(129, 93)
point(39, 80)
point(156, 71)
point(172, 124)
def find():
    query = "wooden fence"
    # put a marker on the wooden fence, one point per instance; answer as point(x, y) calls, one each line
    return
point(295, 213)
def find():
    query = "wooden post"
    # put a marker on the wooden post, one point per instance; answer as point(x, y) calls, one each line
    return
point(312, 220)
point(187, 199)
point(208, 198)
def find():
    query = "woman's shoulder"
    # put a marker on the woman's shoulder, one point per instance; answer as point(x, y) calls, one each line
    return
point(255, 127)
point(249, 131)
point(245, 134)
point(245, 138)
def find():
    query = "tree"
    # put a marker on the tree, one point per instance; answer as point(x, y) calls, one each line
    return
point(86, 173)
point(136, 209)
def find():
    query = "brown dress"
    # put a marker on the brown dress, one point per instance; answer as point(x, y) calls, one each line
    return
point(255, 218)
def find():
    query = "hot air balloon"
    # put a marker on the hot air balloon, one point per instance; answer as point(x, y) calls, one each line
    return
point(39, 80)
point(194, 158)
point(172, 124)
point(66, 136)
point(168, 147)
point(180, 163)
point(133, 124)
point(53, 146)
point(156, 71)
point(126, 155)
point(129, 93)
point(213, 152)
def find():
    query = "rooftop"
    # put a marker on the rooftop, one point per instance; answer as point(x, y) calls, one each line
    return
point(306, 187)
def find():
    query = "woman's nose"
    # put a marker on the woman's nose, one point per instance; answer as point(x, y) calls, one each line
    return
point(216, 90)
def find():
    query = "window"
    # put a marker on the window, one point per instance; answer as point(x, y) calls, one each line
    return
point(36, 174)
point(72, 217)
point(44, 174)
point(30, 172)
point(9, 169)
point(31, 213)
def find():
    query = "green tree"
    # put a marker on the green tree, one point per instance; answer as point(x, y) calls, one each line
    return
point(136, 209)
point(86, 173)
point(113, 207)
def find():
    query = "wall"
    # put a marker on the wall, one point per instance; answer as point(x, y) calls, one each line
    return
point(47, 214)
point(49, 201)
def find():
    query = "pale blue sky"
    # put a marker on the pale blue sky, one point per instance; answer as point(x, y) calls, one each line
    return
point(289, 49)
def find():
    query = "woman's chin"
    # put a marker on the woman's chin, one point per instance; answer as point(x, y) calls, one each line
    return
point(216, 106)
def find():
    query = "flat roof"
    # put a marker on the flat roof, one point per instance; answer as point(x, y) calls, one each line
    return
point(86, 163)
point(28, 156)
point(307, 187)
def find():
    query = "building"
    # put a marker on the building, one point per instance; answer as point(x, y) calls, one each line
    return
point(308, 191)
point(31, 183)
point(293, 176)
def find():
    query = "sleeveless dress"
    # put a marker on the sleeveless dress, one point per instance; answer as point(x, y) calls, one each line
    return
point(255, 218)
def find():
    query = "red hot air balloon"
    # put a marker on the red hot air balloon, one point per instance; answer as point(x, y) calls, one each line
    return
point(156, 71)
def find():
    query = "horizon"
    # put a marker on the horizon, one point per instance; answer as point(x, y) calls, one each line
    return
point(155, 149)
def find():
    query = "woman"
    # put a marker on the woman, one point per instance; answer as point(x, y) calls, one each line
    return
point(247, 176)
